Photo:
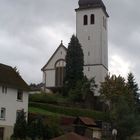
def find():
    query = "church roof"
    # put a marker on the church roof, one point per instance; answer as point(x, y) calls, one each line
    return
point(84, 4)
point(9, 77)
point(61, 45)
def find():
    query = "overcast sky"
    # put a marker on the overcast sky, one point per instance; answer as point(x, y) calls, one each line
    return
point(31, 30)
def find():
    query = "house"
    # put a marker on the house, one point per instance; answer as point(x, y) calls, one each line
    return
point(71, 136)
point(92, 32)
point(86, 126)
point(13, 99)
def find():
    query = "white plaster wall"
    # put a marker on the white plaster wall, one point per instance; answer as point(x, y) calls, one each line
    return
point(99, 72)
point(97, 62)
point(60, 54)
point(97, 45)
point(50, 78)
point(10, 102)
point(49, 70)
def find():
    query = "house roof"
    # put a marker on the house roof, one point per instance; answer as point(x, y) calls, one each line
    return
point(70, 136)
point(61, 45)
point(9, 77)
point(87, 120)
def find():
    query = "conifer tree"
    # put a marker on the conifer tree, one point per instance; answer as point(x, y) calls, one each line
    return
point(20, 127)
point(74, 64)
point(133, 87)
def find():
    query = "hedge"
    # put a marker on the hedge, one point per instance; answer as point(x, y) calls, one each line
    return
point(71, 111)
point(47, 98)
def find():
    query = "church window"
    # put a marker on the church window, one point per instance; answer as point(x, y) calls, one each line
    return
point(92, 19)
point(88, 37)
point(59, 73)
point(85, 20)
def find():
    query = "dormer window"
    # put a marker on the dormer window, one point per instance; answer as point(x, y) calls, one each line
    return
point(20, 95)
point(92, 19)
point(85, 20)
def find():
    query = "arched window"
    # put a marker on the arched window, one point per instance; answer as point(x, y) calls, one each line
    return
point(85, 20)
point(59, 72)
point(92, 19)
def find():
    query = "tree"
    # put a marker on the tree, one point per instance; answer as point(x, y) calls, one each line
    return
point(20, 127)
point(74, 64)
point(36, 128)
point(16, 70)
point(133, 87)
point(115, 91)
point(84, 92)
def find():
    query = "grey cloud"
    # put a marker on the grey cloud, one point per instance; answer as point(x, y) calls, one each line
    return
point(22, 46)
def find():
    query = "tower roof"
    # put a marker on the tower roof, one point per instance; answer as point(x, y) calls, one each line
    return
point(87, 3)
point(84, 4)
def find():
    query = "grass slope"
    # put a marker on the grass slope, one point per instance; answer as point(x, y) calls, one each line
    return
point(68, 111)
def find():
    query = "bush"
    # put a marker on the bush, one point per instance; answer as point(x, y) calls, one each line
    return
point(72, 111)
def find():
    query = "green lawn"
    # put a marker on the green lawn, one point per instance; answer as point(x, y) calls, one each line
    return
point(43, 112)
point(55, 110)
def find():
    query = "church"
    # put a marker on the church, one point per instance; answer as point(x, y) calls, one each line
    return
point(92, 32)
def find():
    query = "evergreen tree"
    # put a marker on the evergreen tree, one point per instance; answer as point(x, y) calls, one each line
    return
point(20, 127)
point(116, 93)
point(74, 64)
point(133, 87)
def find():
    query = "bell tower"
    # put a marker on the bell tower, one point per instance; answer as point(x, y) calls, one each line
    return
point(92, 32)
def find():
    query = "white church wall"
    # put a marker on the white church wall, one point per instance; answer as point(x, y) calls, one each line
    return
point(60, 54)
point(49, 70)
point(104, 40)
point(90, 35)
point(93, 38)
point(99, 72)
point(50, 78)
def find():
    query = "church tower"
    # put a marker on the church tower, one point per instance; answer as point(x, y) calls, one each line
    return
point(92, 32)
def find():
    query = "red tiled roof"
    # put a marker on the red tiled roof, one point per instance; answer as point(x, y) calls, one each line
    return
point(71, 136)
point(87, 121)
point(67, 120)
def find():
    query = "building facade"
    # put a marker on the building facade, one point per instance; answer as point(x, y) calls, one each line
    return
point(92, 32)
point(13, 99)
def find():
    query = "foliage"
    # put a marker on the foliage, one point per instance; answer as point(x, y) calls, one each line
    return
point(39, 129)
point(116, 92)
point(114, 87)
point(71, 111)
point(35, 128)
point(20, 127)
point(84, 92)
point(133, 87)
point(74, 64)
point(16, 70)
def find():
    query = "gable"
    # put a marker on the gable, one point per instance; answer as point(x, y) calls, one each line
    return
point(59, 54)
point(9, 77)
